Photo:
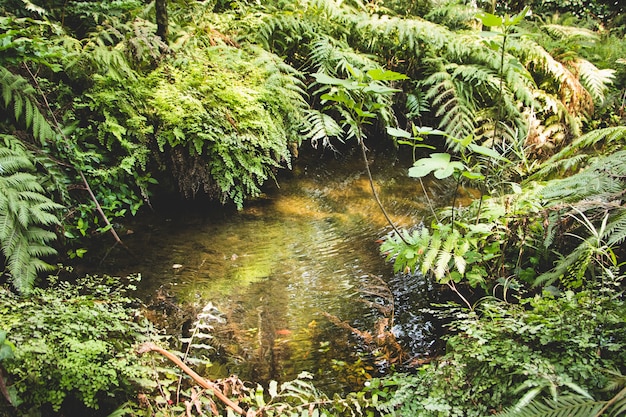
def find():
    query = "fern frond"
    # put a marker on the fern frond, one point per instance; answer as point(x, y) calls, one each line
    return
point(321, 127)
point(595, 80)
point(564, 406)
point(24, 211)
point(431, 253)
point(416, 104)
point(573, 33)
point(571, 156)
point(18, 90)
point(452, 104)
point(329, 56)
point(615, 233)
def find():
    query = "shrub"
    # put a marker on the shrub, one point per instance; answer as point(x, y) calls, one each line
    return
point(72, 342)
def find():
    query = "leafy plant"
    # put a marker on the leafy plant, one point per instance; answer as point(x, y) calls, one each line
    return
point(73, 340)
point(224, 135)
point(563, 354)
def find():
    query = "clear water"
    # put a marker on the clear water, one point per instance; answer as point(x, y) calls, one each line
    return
point(306, 248)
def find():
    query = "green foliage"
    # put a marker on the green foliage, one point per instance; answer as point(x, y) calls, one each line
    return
point(226, 134)
point(6, 347)
point(448, 254)
point(361, 99)
point(73, 340)
point(18, 95)
point(26, 216)
point(504, 353)
point(592, 201)
point(570, 406)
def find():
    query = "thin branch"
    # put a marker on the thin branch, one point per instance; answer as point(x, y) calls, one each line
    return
point(151, 347)
point(430, 203)
point(380, 204)
point(453, 287)
point(609, 403)
point(80, 172)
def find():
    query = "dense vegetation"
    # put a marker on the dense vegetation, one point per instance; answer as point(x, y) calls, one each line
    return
point(105, 104)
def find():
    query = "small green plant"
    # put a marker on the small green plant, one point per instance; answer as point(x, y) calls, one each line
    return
point(503, 354)
point(73, 341)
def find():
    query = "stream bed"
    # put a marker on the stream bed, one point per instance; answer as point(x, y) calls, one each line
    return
point(287, 283)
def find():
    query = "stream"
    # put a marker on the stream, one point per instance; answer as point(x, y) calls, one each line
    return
point(293, 282)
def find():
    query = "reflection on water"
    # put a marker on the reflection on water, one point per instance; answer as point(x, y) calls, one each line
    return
point(272, 269)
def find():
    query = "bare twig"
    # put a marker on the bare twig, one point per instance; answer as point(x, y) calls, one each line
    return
point(3, 388)
point(380, 204)
point(80, 172)
point(151, 347)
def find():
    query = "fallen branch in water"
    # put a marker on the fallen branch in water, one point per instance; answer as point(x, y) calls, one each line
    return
point(151, 347)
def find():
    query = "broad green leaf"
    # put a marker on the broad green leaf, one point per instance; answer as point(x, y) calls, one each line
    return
point(483, 150)
point(380, 89)
point(362, 113)
point(339, 98)
point(425, 131)
point(398, 133)
point(438, 163)
point(514, 20)
point(489, 19)
point(445, 172)
point(471, 175)
point(415, 144)
point(423, 167)
point(380, 74)
point(466, 141)
point(5, 352)
point(328, 80)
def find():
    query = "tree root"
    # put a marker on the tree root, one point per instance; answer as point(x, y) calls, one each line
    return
point(151, 347)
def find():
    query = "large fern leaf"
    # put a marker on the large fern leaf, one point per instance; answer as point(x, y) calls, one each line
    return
point(18, 95)
point(574, 155)
point(564, 406)
point(26, 214)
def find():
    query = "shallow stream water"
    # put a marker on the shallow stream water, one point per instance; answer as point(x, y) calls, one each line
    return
point(292, 278)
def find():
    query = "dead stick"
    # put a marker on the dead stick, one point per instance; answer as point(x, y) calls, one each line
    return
point(99, 208)
point(151, 347)
point(3, 388)
point(82, 175)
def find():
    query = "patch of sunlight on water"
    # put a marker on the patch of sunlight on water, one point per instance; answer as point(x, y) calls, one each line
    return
point(272, 269)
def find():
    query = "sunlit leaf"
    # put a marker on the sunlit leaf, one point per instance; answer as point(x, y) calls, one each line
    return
point(489, 19)
point(380, 74)
point(398, 133)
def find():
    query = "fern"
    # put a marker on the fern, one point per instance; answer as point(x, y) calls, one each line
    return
point(601, 181)
point(596, 195)
point(442, 252)
point(453, 15)
point(573, 156)
point(616, 229)
point(226, 134)
point(564, 406)
point(570, 406)
point(321, 127)
point(452, 104)
point(18, 95)
point(595, 80)
point(26, 215)
point(332, 57)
